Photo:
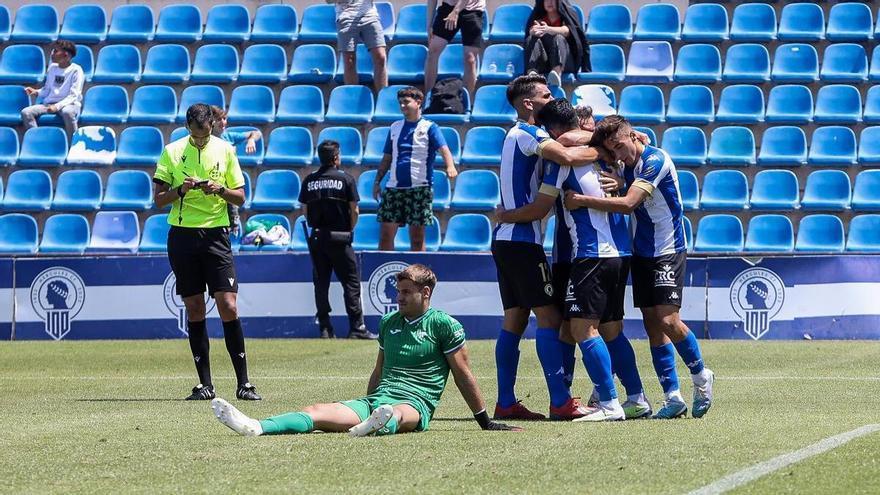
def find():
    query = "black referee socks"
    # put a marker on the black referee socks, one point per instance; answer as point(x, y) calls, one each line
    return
point(198, 344)
point(235, 345)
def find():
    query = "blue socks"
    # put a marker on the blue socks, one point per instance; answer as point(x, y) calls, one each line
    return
point(568, 361)
point(598, 364)
point(664, 365)
point(506, 363)
point(623, 363)
point(550, 355)
point(689, 350)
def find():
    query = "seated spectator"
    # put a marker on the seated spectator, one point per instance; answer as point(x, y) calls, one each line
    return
point(555, 41)
point(234, 138)
point(453, 15)
point(358, 20)
point(62, 92)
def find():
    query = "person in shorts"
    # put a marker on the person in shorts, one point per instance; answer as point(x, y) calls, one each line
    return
point(454, 16)
point(357, 21)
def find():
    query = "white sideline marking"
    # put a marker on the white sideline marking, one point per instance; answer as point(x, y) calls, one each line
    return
point(752, 473)
point(365, 376)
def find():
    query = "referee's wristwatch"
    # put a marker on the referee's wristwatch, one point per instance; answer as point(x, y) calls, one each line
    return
point(221, 191)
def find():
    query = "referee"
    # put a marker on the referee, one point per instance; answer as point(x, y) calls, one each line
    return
point(198, 175)
point(330, 200)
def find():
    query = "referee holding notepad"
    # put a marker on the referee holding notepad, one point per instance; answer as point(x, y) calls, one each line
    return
point(198, 175)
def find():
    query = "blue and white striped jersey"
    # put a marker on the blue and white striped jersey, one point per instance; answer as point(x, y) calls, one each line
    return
point(521, 171)
point(658, 227)
point(562, 249)
point(594, 233)
point(413, 147)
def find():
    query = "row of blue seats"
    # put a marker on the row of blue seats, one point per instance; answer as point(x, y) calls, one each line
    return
point(826, 190)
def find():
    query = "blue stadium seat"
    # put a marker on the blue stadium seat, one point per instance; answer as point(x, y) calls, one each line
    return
point(747, 63)
point(453, 141)
point(25, 64)
point(643, 104)
point(719, 233)
point(5, 24)
point(289, 146)
point(838, 103)
point(850, 21)
point(508, 23)
point(229, 23)
point(386, 18)
point(215, 64)
point(725, 190)
point(451, 118)
point(598, 96)
point(43, 147)
point(864, 233)
point(741, 104)
point(690, 104)
point(827, 190)
point(166, 64)
point(869, 146)
point(790, 104)
point(844, 62)
point(432, 237)
point(115, 232)
point(300, 104)
point(802, 22)
point(319, 24)
point(251, 104)
point(350, 144)
point(66, 233)
point(118, 64)
point(770, 234)
point(128, 190)
point(131, 24)
point(312, 64)
point(732, 146)
point(35, 24)
point(866, 192)
point(820, 233)
point(85, 58)
point(784, 146)
point(698, 63)
point(105, 105)
point(690, 190)
point(19, 234)
point(153, 105)
point(688, 233)
point(92, 146)
point(366, 232)
point(276, 190)
point(78, 190)
point(705, 22)
point(795, 63)
point(833, 146)
point(467, 232)
point(298, 239)
point(272, 218)
point(451, 61)
point(9, 147)
point(365, 190)
point(686, 146)
point(476, 190)
point(609, 22)
point(659, 21)
point(491, 106)
point(375, 146)
point(28, 190)
point(178, 133)
point(263, 64)
point(411, 21)
point(482, 146)
point(207, 94)
point(775, 190)
point(350, 105)
point(139, 146)
point(506, 60)
point(84, 24)
point(442, 191)
point(274, 23)
point(652, 137)
point(12, 100)
point(246, 159)
point(607, 62)
point(753, 22)
point(155, 237)
point(650, 61)
point(363, 66)
point(872, 105)
point(248, 196)
point(180, 23)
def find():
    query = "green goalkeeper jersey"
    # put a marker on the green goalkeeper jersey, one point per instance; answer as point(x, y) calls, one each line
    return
point(415, 352)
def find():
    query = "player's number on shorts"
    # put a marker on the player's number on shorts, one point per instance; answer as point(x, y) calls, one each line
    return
point(545, 272)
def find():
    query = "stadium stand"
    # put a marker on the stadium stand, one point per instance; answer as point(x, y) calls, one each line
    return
point(265, 64)
point(698, 63)
point(153, 105)
point(118, 64)
point(105, 105)
point(507, 23)
point(139, 146)
point(350, 144)
point(12, 100)
point(128, 190)
point(318, 24)
point(820, 233)
point(491, 106)
point(864, 234)
point(747, 63)
point(732, 146)
point(155, 236)
point(274, 23)
point(775, 190)
point(227, 24)
point(690, 190)
point(19, 234)
point(215, 64)
point(643, 104)
point(251, 104)
point(650, 62)
point(725, 190)
point(740, 104)
point(313, 64)
point(607, 62)
point(482, 146)
point(66, 233)
point(411, 21)
point(166, 64)
point(721, 233)
point(289, 146)
point(790, 104)
point(22, 64)
point(690, 104)
point(350, 105)
point(833, 146)
point(827, 190)
point(705, 23)
point(131, 24)
point(78, 190)
point(432, 238)
point(844, 63)
point(770, 233)
point(467, 232)
point(838, 104)
point(84, 24)
point(276, 190)
point(300, 104)
point(43, 147)
point(850, 21)
point(802, 22)
point(363, 68)
point(686, 146)
point(114, 232)
point(28, 190)
point(442, 191)
point(8, 146)
point(659, 21)
point(85, 58)
point(35, 24)
point(753, 22)
point(179, 23)
point(476, 190)
point(866, 192)
point(375, 146)
point(5, 23)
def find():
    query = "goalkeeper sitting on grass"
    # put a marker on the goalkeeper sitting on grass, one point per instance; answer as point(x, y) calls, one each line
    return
point(418, 346)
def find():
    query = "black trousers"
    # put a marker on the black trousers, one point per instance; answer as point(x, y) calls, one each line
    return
point(339, 258)
point(548, 51)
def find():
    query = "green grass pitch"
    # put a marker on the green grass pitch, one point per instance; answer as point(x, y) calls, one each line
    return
point(105, 417)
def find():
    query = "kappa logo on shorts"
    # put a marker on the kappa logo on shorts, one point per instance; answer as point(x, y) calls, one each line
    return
point(57, 296)
point(382, 286)
point(756, 296)
point(665, 276)
point(175, 304)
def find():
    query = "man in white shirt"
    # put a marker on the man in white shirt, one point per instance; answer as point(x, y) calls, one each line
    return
point(62, 92)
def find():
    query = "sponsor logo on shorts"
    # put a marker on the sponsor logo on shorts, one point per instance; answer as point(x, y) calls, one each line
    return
point(57, 296)
point(756, 296)
point(382, 286)
point(175, 305)
point(664, 276)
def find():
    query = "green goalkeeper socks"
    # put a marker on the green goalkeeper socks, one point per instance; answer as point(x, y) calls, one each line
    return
point(390, 427)
point(296, 422)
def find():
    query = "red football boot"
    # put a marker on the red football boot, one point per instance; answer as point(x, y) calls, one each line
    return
point(572, 409)
point(517, 411)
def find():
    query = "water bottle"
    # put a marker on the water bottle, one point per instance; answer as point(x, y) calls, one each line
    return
point(493, 67)
point(510, 68)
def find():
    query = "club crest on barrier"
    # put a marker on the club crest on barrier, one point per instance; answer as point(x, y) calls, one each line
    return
point(175, 305)
point(756, 296)
point(382, 286)
point(57, 296)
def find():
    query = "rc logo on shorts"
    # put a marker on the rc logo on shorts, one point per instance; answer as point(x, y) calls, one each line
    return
point(175, 305)
point(57, 296)
point(664, 276)
point(382, 286)
point(757, 296)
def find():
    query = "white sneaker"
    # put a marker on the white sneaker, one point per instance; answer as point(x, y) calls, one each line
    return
point(604, 413)
point(236, 420)
point(374, 423)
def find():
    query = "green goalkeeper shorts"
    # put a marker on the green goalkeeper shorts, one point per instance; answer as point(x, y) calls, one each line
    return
point(364, 406)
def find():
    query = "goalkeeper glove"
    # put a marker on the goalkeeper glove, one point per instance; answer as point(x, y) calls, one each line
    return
point(487, 424)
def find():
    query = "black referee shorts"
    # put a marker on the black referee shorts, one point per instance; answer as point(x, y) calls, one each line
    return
point(200, 258)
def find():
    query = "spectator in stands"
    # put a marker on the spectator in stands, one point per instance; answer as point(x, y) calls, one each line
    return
point(62, 92)
point(453, 15)
point(358, 20)
point(555, 41)
point(412, 145)
point(234, 138)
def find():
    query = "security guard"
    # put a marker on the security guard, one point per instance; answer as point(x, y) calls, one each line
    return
point(198, 175)
point(330, 198)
